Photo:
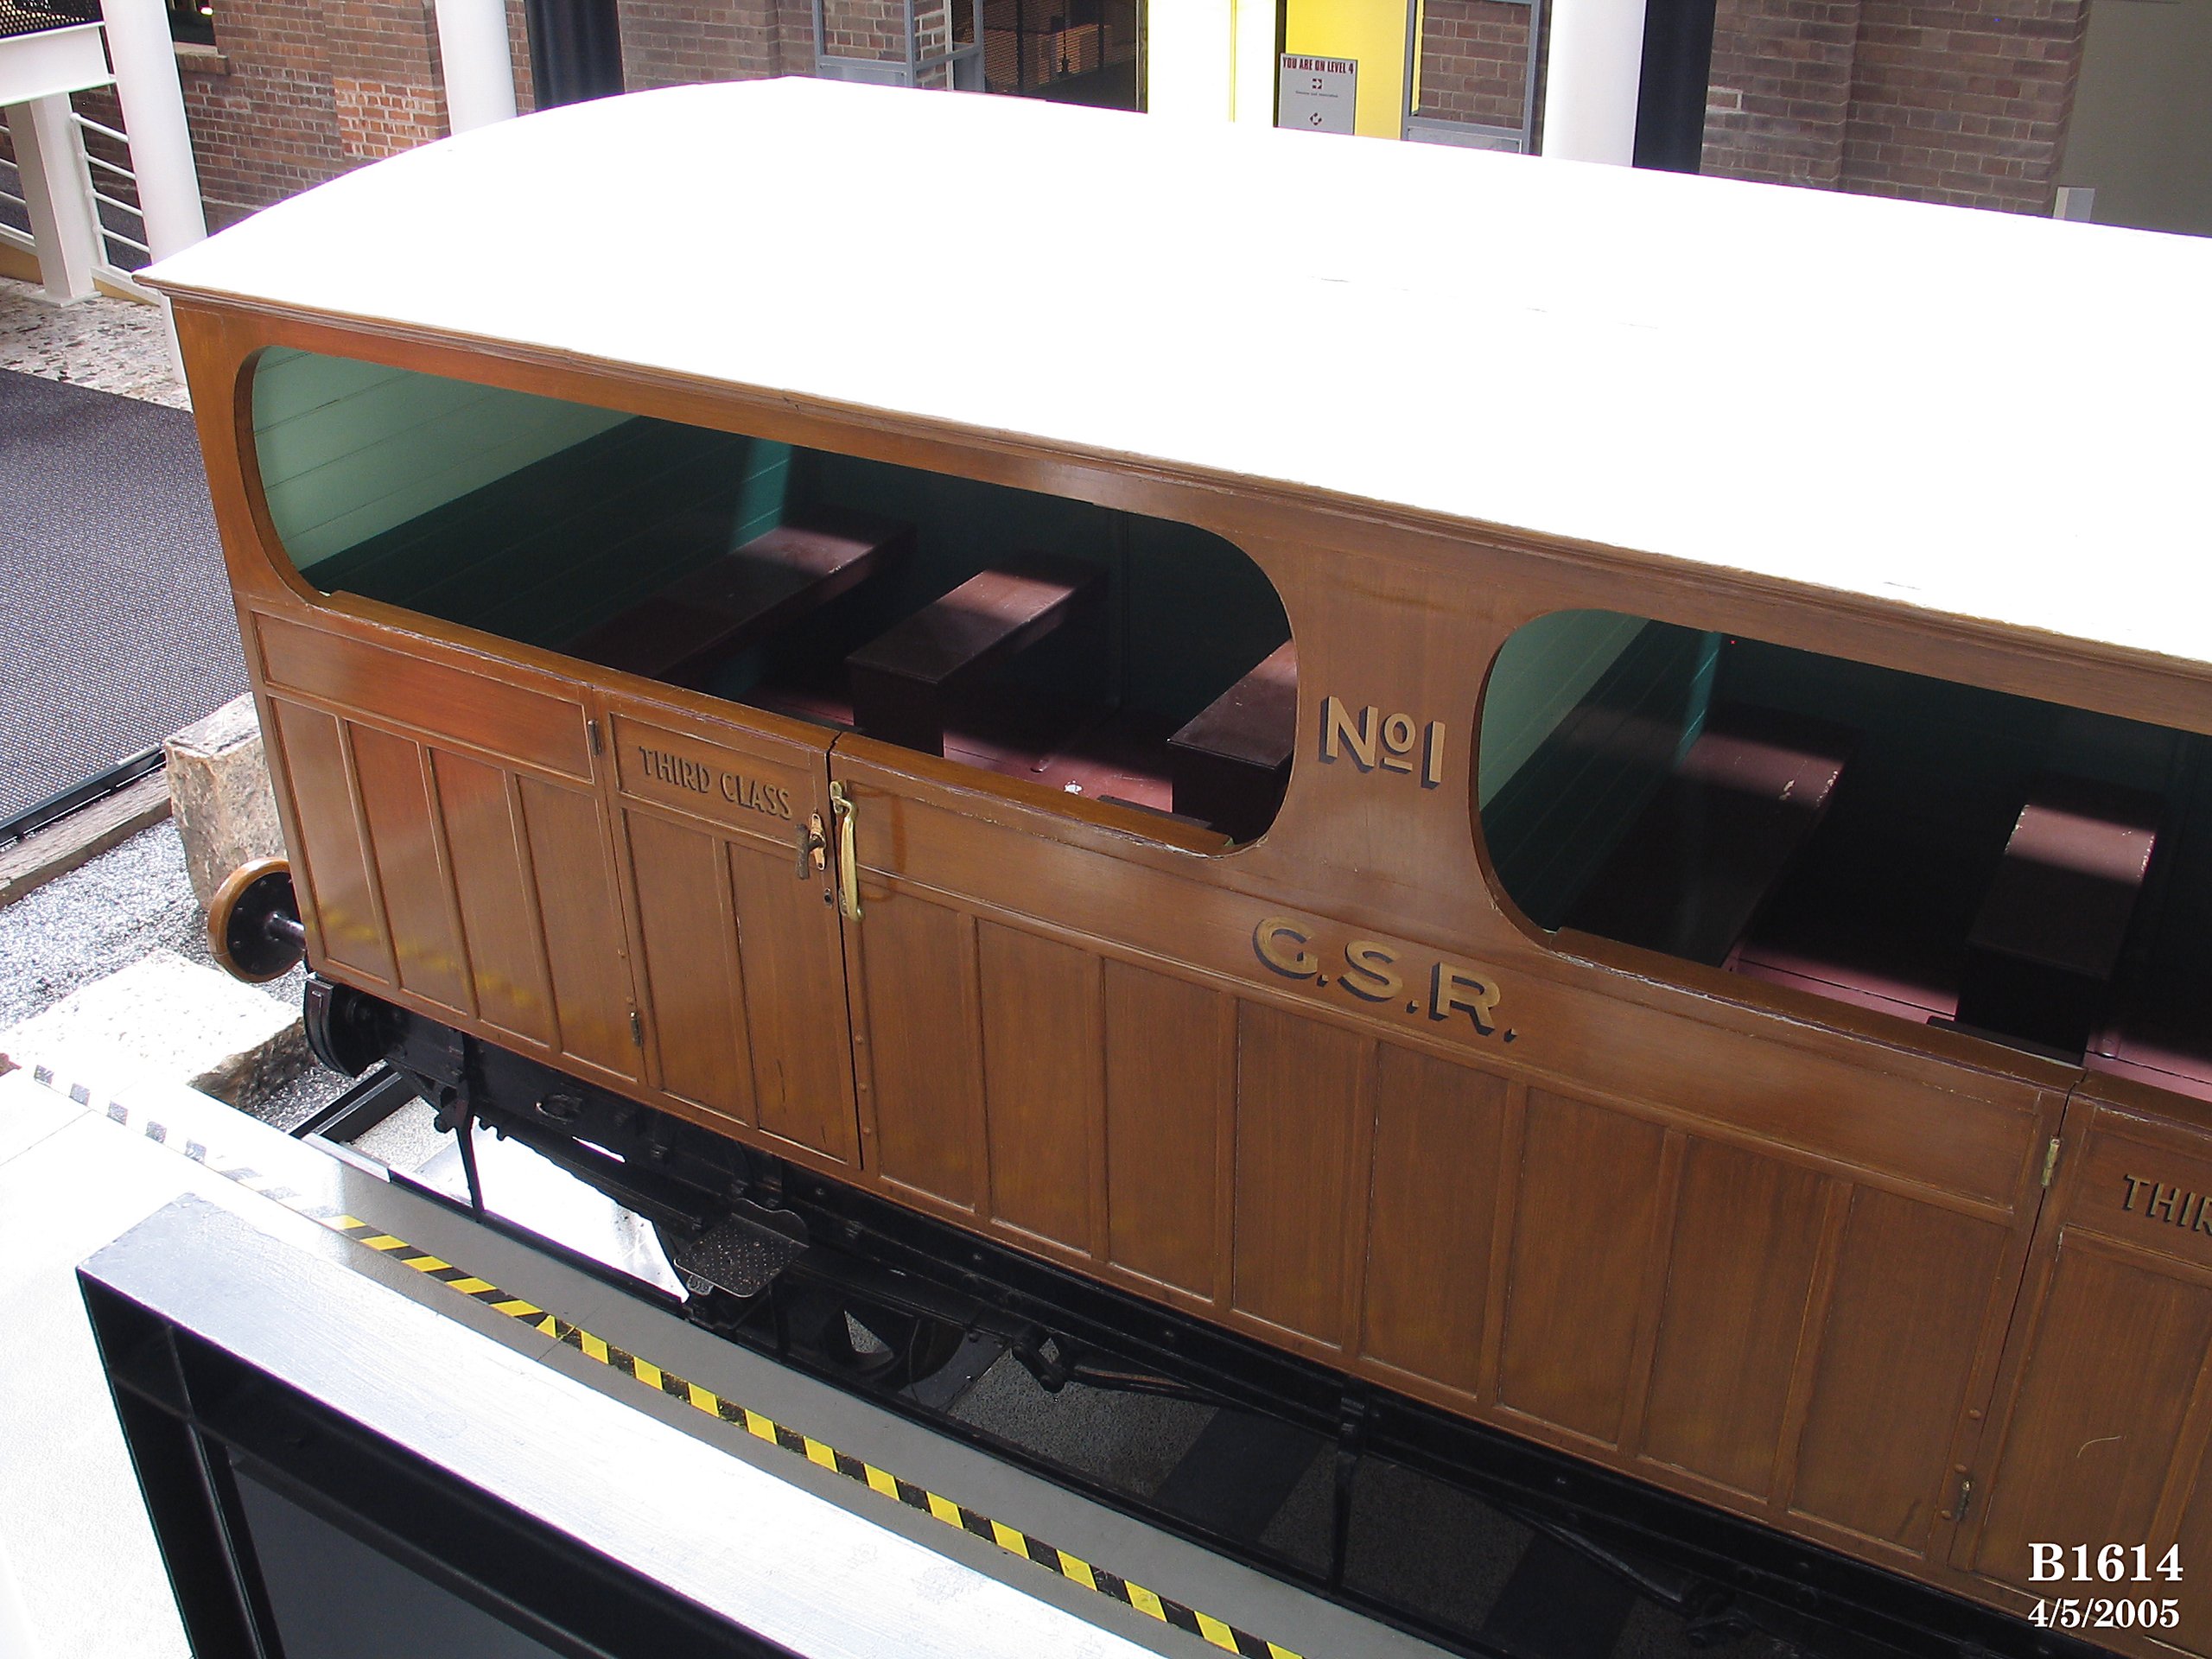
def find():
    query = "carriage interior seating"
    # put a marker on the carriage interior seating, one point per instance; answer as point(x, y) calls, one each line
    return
point(2034, 873)
point(1085, 649)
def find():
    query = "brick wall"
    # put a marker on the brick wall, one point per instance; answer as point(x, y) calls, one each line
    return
point(674, 43)
point(864, 29)
point(264, 123)
point(518, 52)
point(1474, 61)
point(1779, 98)
point(1963, 101)
point(386, 84)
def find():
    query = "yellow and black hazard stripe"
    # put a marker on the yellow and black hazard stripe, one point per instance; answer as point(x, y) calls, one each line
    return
point(1216, 1632)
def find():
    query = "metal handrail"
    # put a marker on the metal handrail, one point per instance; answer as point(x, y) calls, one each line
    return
point(83, 120)
point(110, 238)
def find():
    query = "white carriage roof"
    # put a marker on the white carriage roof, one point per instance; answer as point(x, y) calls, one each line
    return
point(1969, 413)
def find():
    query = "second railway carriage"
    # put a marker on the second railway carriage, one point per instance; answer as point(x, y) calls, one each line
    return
point(1576, 796)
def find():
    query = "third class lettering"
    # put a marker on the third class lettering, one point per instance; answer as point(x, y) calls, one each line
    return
point(703, 780)
point(2188, 1211)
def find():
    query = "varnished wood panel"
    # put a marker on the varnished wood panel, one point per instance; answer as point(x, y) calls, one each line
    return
point(925, 1048)
point(584, 945)
point(1170, 1076)
point(498, 910)
point(2192, 1535)
point(1909, 1118)
point(690, 968)
point(1299, 1086)
point(741, 790)
point(2119, 1353)
point(403, 836)
point(337, 868)
point(1044, 1083)
point(793, 967)
point(482, 709)
point(1437, 1136)
point(1912, 1290)
point(1589, 1182)
point(1746, 1237)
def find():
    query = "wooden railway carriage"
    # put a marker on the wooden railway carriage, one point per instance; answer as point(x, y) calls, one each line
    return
point(774, 600)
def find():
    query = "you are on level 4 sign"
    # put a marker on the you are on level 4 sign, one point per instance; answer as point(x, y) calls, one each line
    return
point(1316, 94)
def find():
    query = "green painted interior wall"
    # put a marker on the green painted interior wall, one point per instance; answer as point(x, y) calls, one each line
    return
point(349, 451)
point(1542, 672)
point(533, 519)
point(1585, 713)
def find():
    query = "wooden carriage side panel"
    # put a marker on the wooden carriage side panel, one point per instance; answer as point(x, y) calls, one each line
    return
point(792, 965)
point(2193, 1538)
point(2103, 1430)
point(2117, 1362)
point(689, 973)
point(499, 918)
point(1747, 1237)
point(923, 1049)
point(1590, 1197)
point(1301, 1088)
point(1439, 1140)
point(483, 710)
point(1044, 1085)
point(742, 968)
point(1171, 1082)
point(406, 842)
point(1907, 1319)
point(335, 869)
point(586, 950)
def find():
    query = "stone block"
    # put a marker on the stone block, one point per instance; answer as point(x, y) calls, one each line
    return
point(224, 806)
point(168, 1018)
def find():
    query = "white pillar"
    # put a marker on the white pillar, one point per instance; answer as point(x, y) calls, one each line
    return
point(1190, 70)
point(480, 72)
point(58, 189)
point(1591, 80)
point(145, 56)
point(1257, 65)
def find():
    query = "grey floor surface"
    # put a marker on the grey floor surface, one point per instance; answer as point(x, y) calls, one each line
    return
point(116, 626)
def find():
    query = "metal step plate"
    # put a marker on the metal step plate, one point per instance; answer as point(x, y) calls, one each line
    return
point(738, 1256)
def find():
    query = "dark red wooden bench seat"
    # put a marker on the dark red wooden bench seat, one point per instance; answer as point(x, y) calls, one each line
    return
point(2046, 943)
point(1703, 858)
point(734, 601)
point(903, 680)
point(1230, 763)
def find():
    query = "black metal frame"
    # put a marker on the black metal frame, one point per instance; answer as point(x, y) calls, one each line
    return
point(195, 1417)
point(879, 1254)
point(101, 784)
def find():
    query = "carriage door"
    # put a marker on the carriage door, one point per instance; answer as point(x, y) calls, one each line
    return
point(722, 833)
point(2104, 1403)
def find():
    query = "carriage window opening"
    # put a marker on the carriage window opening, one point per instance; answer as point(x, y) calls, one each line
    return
point(2031, 872)
point(1099, 653)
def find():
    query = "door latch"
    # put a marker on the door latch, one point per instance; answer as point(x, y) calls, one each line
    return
point(813, 847)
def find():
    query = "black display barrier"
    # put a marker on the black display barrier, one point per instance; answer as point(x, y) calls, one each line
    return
point(335, 1472)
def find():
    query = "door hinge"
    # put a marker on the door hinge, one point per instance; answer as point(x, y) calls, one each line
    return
point(2051, 1160)
point(598, 743)
point(637, 1029)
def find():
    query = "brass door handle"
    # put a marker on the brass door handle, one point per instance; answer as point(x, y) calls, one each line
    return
point(849, 864)
point(813, 847)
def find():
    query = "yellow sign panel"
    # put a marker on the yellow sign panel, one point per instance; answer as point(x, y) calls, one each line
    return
point(1372, 32)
